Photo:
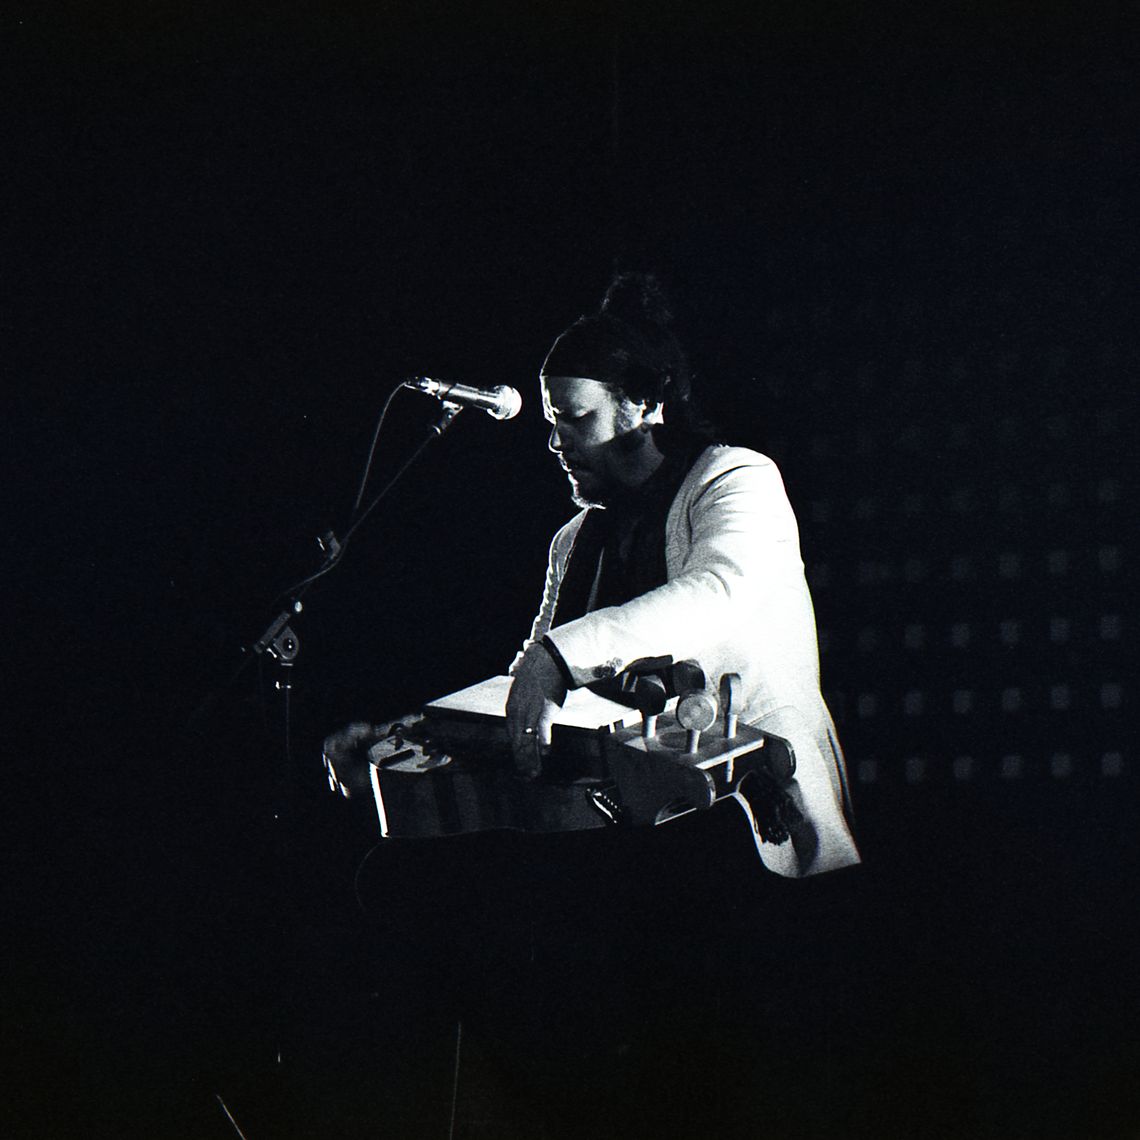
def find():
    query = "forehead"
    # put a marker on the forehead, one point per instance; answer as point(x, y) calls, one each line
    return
point(574, 393)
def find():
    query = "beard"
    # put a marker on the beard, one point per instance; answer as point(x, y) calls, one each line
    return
point(587, 499)
point(589, 489)
point(599, 484)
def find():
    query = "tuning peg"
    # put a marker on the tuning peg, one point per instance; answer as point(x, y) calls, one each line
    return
point(696, 711)
point(731, 691)
point(649, 693)
point(688, 676)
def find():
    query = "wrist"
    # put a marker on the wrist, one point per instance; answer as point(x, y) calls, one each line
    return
point(559, 662)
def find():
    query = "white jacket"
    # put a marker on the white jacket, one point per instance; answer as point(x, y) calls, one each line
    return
point(735, 600)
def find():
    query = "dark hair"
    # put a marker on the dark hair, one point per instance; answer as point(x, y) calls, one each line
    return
point(629, 345)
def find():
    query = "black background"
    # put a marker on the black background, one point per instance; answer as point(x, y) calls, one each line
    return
point(901, 245)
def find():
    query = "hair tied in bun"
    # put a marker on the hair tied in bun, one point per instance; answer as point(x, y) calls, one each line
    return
point(639, 300)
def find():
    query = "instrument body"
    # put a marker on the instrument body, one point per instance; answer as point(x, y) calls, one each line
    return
point(422, 791)
point(449, 771)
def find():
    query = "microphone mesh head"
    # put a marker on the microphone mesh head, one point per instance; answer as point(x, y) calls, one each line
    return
point(509, 403)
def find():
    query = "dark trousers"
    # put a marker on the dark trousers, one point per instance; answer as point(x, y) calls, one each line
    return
point(627, 982)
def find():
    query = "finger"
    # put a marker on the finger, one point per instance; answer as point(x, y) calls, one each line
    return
point(528, 752)
point(514, 716)
point(546, 722)
point(515, 725)
point(534, 753)
point(524, 711)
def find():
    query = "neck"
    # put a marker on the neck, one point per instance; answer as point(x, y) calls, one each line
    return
point(650, 457)
point(641, 462)
point(644, 464)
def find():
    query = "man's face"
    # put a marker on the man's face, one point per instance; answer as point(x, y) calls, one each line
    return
point(594, 436)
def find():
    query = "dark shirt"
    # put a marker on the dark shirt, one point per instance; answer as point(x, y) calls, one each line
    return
point(619, 551)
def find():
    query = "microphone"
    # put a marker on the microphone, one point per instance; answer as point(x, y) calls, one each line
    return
point(502, 403)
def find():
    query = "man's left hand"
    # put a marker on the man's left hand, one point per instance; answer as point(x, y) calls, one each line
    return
point(345, 754)
point(538, 688)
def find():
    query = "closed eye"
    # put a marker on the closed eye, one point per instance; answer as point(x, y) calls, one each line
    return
point(566, 417)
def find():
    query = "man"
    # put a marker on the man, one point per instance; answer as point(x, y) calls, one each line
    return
point(683, 550)
point(645, 981)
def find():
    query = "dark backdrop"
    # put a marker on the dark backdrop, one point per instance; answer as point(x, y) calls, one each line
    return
point(900, 245)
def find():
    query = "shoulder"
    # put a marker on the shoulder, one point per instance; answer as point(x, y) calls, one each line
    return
point(718, 457)
point(734, 482)
point(720, 461)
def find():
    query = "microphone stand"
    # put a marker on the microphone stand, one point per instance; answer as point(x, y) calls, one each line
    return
point(280, 640)
point(283, 646)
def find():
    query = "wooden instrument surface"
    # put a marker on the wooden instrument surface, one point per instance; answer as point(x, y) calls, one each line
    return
point(450, 772)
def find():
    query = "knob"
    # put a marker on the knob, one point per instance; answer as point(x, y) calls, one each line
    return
point(649, 693)
point(696, 711)
point(730, 701)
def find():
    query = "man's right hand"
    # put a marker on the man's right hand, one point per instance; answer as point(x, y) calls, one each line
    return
point(537, 690)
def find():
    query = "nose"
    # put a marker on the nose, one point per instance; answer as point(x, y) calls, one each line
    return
point(555, 440)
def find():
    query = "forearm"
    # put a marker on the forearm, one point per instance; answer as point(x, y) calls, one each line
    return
point(658, 624)
point(556, 566)
point(735, 570)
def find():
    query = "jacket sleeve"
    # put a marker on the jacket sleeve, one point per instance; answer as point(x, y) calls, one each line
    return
point(740, 554)
point(560, 549)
